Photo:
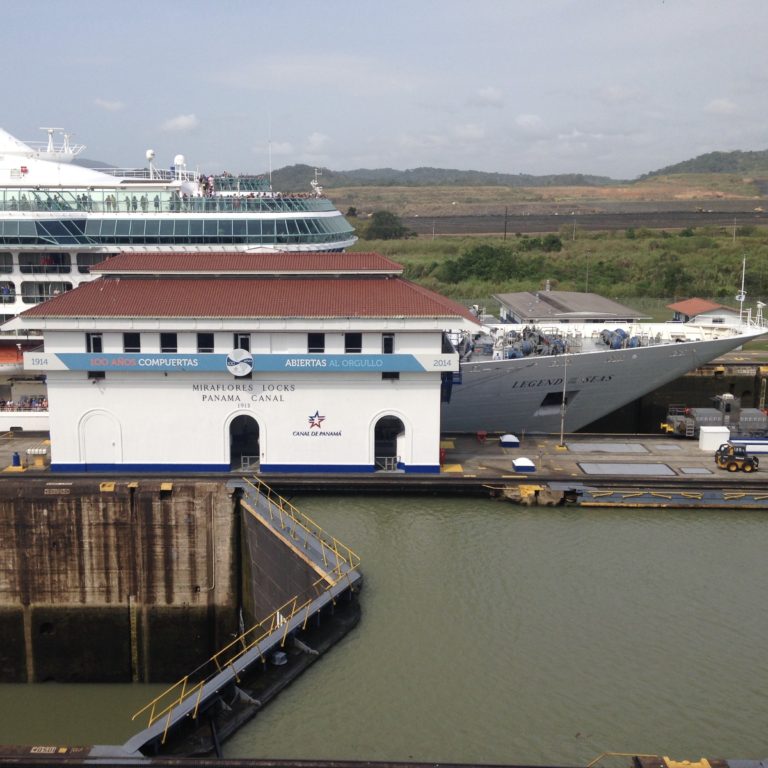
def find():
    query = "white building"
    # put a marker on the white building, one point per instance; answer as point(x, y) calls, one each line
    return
point(704, 312)
point(283, 362)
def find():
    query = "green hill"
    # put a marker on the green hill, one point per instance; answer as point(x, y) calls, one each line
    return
point(297, 178)
point(753, 163)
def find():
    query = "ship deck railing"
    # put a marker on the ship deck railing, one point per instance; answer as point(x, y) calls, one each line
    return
point(134, 200)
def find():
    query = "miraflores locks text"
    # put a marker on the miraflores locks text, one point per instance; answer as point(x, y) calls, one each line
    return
point(243, 393)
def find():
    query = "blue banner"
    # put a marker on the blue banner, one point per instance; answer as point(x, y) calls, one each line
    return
point(239, 362)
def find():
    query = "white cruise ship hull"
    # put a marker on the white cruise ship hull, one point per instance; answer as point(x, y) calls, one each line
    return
point(523, 396)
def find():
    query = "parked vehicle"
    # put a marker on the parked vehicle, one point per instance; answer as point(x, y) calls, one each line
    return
point(735, 458)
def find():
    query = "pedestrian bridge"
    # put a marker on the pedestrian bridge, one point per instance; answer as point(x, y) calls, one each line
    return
point(175, 717)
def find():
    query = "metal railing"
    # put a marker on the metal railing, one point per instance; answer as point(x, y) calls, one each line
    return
point(387, 463)
point(282, 513)
point(191, 686)
point(135, 200)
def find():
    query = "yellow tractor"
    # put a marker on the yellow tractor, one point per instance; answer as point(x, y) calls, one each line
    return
point(735, 458)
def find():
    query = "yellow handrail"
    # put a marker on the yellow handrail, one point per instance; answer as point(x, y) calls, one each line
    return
point(164, 703)
point(284, 507)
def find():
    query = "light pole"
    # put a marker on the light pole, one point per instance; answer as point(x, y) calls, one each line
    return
point(586, 284)
point(561, 444)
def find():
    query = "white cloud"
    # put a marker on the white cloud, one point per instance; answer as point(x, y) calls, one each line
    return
point(109, 106)
point(469, 131)
point(488, 97)
point(180, 123)
point(321, 68)
point(316, 141)
point(281, 148)
point(617, 94)
point(529, 122)
point(423, 141)
point(721, 107)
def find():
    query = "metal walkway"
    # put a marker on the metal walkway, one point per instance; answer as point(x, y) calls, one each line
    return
point(338, 571)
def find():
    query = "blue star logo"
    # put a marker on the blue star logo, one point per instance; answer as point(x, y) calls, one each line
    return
point(316, 420)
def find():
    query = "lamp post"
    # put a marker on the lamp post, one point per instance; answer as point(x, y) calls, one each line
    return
point(561, 444)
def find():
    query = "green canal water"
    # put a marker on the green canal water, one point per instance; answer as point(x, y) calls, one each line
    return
point(503, 634)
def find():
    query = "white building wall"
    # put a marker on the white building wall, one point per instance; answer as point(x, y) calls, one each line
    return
point(717, 317)
point(182, 420)
point(65, 341)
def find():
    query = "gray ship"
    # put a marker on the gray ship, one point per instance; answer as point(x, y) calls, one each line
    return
point(537, 380)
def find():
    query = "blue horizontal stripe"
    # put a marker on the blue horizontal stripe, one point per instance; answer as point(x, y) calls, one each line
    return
point(339, 469)
point(140, 468)
point(346, 468)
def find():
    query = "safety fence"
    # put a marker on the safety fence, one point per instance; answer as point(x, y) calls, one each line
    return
point(339, 564)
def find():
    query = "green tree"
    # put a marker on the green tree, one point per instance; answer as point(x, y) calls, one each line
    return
point(385, 225)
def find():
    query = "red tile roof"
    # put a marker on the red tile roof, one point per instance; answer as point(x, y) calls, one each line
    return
point(693, 307)
point(247, 263)
point(174, 297)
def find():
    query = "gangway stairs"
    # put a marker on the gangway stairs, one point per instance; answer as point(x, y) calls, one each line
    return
point(181, 708)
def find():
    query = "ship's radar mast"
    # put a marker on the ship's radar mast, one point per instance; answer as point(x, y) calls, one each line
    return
point(742, 294)
point(179, 165)
point(50, 131)
point(317, 187)
point(150, 155)
point(65, 152)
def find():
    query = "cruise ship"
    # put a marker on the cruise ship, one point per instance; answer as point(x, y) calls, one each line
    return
point(58, 217)
point(548, 379)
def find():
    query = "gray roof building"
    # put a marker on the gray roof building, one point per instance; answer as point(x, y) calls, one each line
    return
point(562, 307)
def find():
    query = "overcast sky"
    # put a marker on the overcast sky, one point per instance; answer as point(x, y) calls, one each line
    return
point(609, 87)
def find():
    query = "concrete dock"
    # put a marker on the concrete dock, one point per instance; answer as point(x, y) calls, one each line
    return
point(616, 470)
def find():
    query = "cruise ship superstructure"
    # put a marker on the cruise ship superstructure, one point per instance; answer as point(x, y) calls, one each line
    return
point(58, 218)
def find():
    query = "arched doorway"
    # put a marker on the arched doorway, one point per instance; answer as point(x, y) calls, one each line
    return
point(386, 432)
point(244, 443)
point(100, 440)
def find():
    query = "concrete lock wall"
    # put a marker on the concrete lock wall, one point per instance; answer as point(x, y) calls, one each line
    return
point(125, 583)
point(272, 574)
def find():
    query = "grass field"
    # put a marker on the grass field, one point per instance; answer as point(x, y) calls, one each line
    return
point(641, 267)
point(481, 201)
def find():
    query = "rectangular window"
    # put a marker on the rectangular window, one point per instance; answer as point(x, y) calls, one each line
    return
point(168, 342)
point(86, 260)
point(353, 342)
point(242, 341)
point(388, 343)
point(93, 343)
point(391, 375)
point(316, 342)
point(131, 342)
point(7, 292)
point(205, 342)
point(97, 375)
